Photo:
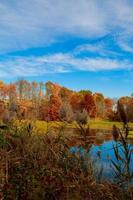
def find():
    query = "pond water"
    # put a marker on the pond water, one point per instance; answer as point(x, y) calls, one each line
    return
point(102, 154)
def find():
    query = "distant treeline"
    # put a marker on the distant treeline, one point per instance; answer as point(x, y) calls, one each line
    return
point(51, 102)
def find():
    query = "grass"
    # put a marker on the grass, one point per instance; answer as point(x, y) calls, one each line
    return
point(94, 124)
point(107, 125)
point(41, 127)
point(102, 124)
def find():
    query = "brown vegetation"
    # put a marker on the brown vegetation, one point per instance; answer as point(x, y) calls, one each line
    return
point(36, 167)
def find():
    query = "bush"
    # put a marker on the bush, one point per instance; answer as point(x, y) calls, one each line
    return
point(66, 113)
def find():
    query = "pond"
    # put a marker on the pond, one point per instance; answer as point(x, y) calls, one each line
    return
point(102, 154)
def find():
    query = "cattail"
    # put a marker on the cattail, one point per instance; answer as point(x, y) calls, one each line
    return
point(87, 131)
point(29, 128)
point(115, 132)
point(99, 154)
point(122, 113)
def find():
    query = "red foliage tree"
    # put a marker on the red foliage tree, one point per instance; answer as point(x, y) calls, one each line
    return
point(50, 109)
point(76, 102)
point(89, 105)
point(55, 104)
point(108, 108)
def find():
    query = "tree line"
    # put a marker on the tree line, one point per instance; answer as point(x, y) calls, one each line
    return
point(52, 102)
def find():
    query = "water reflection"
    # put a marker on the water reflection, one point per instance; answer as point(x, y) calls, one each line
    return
point(106, 155)
point(102, 153)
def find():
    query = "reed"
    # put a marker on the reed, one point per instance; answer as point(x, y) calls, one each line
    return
point(123, 152)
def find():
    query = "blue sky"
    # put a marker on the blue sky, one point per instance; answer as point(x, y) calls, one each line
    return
point(81, 44)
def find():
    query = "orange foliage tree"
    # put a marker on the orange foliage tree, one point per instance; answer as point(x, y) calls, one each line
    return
point(89, 105)
point(108, 108)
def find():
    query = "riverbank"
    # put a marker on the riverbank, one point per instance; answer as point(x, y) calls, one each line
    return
point(97, 124)
point(107, 125)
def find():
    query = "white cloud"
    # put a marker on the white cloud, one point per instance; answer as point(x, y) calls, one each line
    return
point(57, 63)
point(35, 23)
point(90, 48)
point(126, 42)
point(126, 46)
point(31, 23)
point(100, 48)
point(29, 66)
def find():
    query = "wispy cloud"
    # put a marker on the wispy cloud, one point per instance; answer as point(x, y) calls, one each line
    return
point(125, 42)
point(36, 23)
point(57, 63)
point(30, 66)
point(99, 48)
point(32, 23)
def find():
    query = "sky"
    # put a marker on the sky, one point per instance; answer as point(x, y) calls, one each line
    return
point(80, 44)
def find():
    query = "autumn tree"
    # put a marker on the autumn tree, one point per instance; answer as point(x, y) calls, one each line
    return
point(54, 101)
point(12, 101)
point(23, 89)
point(84, 92)
point(66, 112)
point(65, 94)
point(37, 90)
point(2, 108)
point(108, 108)
point(53, 108)
point(76, 101)
point(3, 90)
point(127, 103)
point(100, 105)
point(89, 104)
